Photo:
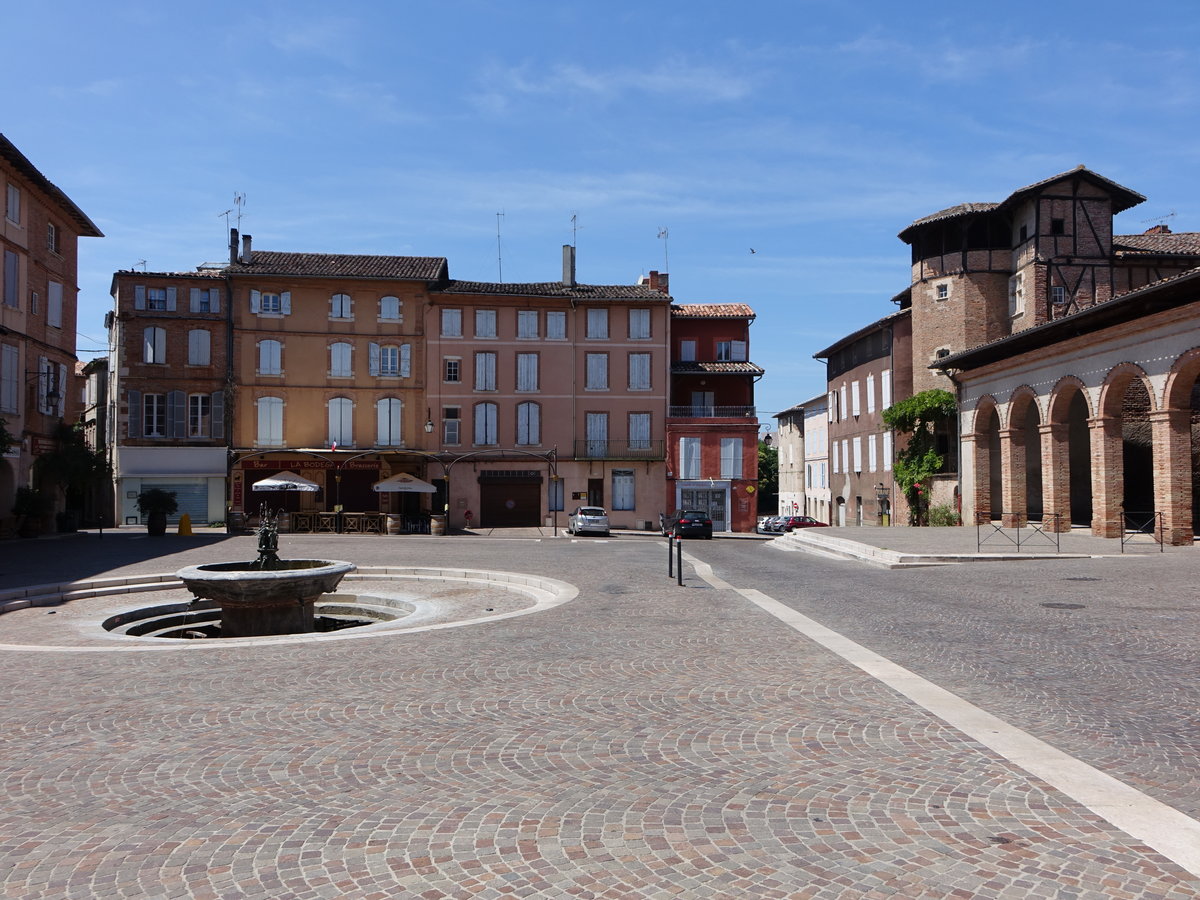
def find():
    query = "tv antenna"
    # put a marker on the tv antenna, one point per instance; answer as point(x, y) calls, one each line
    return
point(499, 252)
point(239, 200)
point(664, 235)
point(1159, 220)
point(140, 262)
point(574, 229)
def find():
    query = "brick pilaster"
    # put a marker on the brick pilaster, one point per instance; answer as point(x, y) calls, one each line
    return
point(1056, 474)
point(1108, 476)
point(1012, 460)
point(1172, 436)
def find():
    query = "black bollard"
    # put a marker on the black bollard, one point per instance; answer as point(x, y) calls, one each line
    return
point(670, 556)
point(679, 562)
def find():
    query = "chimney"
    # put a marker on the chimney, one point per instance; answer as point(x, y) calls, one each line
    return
point(247, 256)
point(568, 265)
point(1161, 228)
point(233, 250)
point(658, 282)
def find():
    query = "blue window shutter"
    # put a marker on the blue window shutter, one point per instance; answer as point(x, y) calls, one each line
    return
point(405, 360)
point(195, 300)
point(176, 413)
point(373, 358)
point(135, 413)
point(139, 296)
point(171, 293)
point(285, 300)
point(214, 300)
point(254, 301)
point(218, 414)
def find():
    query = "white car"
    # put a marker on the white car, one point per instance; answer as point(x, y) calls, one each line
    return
point(588, 518)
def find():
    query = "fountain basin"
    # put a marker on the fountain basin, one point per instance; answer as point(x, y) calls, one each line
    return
point(258, 602)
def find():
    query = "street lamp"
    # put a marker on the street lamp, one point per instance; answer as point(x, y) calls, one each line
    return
point(428, 422)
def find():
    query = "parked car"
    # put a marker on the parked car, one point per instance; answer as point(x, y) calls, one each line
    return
point(793, 522)
point(688, 523)
point(588, 518)
point(770, 525)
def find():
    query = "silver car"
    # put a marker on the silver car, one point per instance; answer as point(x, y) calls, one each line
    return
point(588, 518)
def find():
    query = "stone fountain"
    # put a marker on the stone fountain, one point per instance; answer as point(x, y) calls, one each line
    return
point(268, 595)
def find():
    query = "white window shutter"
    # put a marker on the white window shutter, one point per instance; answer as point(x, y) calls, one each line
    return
point(737, 351)
point(372, 358)
point(194, 300)
point(255, 301)
point(214, 300)
point(171, 296)
point(60, 403)
point(139, 296)
point(405, 360)
point(285, 300)
point(134, 398)
point(218, 414)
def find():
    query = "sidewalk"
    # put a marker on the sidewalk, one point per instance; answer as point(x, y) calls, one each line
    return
point(903, 547)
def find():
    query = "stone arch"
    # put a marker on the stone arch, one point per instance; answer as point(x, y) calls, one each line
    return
point(1177, 439)
point(988, 471)
point(1116, 384)
point(1067, 453)
point(1183, 375)
point(1024, 432)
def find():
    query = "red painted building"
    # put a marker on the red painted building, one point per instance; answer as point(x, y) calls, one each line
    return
point(712, 425)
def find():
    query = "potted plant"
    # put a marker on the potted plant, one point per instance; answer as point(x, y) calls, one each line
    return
point(30, 507)
point(156, 504)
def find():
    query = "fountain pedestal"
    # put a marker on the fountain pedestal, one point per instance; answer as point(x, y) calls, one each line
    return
point(258, 602)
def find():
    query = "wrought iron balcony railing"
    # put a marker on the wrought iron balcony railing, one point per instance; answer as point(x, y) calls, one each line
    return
point(701, 411)
point(605, 449)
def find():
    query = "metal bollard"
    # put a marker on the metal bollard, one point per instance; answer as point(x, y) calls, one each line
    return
point(670, 556)
point(679, 562)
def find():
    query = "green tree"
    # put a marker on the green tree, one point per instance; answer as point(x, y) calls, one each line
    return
point(768, 478)
point(919, 417)
point(8, 440)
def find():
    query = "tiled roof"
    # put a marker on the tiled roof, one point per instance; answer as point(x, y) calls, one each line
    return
point(21, 163)
point(556, 289)
point(866, 329)
point(711, 311)
point(198, 273)
point(1185, 243)
point(343, 265)
point(716, 368)
point(953, 212)
point(1123, 198)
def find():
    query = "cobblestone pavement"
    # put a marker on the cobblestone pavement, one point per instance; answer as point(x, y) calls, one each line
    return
point(641, 740)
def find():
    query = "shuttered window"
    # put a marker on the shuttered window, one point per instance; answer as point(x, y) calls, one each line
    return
point(597, 372)
point(529, 424)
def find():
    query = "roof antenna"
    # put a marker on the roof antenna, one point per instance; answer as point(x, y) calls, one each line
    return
point(499, 255)
point(663, 234)
point(1160, 220)
point(140, 262)
point(574, 229)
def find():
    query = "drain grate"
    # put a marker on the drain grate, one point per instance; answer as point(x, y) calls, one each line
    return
point(1064, 606)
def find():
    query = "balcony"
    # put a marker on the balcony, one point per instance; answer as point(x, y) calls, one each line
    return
point(604, 449)
point(701, 411)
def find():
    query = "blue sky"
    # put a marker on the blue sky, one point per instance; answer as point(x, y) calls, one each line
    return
point(810, 131)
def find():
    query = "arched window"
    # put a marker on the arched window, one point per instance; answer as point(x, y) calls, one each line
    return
point(341, 421)
point(270, 358)
point(154, 345)
point(529, 424)
point(341, 307)
point(390, 309)
point(339, 360)
point(270, 421)
point(388, 416)
point(485, 423)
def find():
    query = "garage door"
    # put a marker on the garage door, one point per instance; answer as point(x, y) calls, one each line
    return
point(509, 505)
point(192, 499)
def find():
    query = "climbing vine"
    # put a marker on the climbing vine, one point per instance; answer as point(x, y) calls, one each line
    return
point(918, 417)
